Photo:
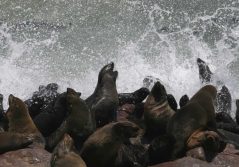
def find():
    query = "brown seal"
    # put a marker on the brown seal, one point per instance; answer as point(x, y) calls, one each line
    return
point(157, 111)
point(20, 127)
point(65, 154)
point(20, 120)
point(197, 114)
point(102, 147)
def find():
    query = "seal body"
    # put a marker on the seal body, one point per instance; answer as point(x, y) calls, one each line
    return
point(157, 111)
point(104, 101)
point(65, 154)
point(198, 114)
point(79, 123)
point(101, 148)
point(20, 120)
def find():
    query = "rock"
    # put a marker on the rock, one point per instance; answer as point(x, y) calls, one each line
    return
point(27, 157)
point(228, 158)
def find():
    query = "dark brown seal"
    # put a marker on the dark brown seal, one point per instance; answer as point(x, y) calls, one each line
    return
point(104, 101)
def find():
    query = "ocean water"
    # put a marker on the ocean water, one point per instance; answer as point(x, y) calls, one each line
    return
point(68, 41)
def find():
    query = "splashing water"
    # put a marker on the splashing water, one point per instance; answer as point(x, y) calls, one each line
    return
point(67, 42)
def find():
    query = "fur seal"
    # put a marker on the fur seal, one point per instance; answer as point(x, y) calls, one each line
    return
point(157, 111)
point(237, 111)
point(196, 116)
point(133, 98)
point(65, 154)
point(205, 74)
point(224, 100)
point(107, 139)
point(104, 101)
point(79, 124)
point(21, 122)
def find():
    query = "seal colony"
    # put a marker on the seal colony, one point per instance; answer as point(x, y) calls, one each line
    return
point(108, 128)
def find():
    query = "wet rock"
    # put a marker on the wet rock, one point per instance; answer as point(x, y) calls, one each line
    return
point(229, 157)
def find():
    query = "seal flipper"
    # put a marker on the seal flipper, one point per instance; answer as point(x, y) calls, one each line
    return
point(205, 74)
point(13, 141)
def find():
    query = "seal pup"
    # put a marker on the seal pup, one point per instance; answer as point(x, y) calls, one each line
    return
point(65, 154)
point(157, 111)
point(104, 100)
point(205, 74)
point(101, 148)
point(196, 116)
point(79, 124)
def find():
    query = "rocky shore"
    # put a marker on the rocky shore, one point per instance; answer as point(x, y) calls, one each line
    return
point(147, 127)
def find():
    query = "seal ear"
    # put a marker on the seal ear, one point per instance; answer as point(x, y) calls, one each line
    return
point(10, 99)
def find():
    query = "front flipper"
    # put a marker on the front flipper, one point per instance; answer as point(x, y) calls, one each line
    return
point(12, 141)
